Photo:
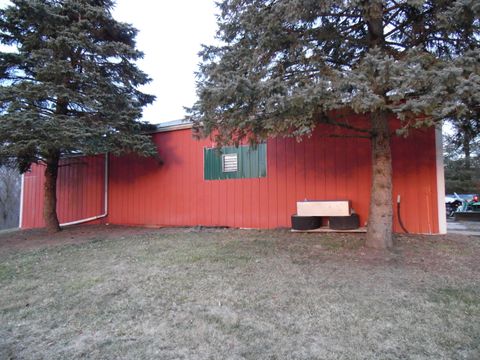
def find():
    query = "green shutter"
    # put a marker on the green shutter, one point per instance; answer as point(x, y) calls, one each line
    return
point(251, 162)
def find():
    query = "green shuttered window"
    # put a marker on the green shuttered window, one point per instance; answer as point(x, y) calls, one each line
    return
point(235, 163)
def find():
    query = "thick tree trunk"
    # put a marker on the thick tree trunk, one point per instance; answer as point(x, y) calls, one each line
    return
point(466, 151)
point(50, 198)
point(379, 234)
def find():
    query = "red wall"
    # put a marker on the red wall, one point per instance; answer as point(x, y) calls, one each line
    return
point(143, 192)
point(80, 192)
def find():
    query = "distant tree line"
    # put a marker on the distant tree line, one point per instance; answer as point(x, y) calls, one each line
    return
point(462, 156)
point(9, 197)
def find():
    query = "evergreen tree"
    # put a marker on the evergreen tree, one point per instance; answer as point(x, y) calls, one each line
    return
point(282, 66)
point(69, 85)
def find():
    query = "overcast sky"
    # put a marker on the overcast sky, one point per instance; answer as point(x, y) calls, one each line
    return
point(170, 35)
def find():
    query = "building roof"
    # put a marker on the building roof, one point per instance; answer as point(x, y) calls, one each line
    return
point(173, 125)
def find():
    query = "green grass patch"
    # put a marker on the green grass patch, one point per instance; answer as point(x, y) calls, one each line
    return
point(464, 296)
point(7, 271)
point(235, 294)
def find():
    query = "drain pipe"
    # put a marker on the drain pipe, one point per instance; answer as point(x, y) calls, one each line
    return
point(105, 211)
point(22, 194)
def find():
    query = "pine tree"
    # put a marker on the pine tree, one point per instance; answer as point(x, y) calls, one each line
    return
point(69, 85)
point(282, 66)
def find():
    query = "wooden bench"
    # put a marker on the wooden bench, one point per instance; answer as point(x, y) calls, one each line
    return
point(323, 208)
point(309, 213)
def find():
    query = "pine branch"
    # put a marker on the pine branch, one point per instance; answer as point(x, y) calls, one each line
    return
point(330, 120)
point(347, 136)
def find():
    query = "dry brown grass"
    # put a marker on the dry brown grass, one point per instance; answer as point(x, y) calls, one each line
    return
point(123, 293)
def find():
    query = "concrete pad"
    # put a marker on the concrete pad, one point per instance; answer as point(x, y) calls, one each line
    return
point(463, 227)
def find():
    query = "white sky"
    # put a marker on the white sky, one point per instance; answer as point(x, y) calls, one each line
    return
point(170, 34)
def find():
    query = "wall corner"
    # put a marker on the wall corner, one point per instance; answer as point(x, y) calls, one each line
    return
point(442, 216)
point(22, 194)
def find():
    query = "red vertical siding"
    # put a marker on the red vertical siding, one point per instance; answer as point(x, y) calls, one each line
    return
point(317, 168)
point(80, 191)
point(144, 192)
point(415, 181)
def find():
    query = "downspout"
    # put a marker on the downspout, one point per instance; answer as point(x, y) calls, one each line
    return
point(20, 216)
point(105, 211)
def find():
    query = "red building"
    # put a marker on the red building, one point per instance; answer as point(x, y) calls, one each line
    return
point(244, 187)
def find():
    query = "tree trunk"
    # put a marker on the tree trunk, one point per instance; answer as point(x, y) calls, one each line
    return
point(466, 150)
point(50, 198)
point(379, 234)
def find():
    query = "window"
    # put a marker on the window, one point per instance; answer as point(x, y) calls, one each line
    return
point(235, 162)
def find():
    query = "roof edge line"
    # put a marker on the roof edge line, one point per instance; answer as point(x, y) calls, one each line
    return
point(171, 128)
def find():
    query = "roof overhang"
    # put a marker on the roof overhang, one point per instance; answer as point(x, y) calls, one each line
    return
point(172, 126)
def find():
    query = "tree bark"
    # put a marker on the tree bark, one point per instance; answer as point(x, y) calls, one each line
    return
point(466, 150)
point(50, 198)
point(379, 234)
point(380, 219)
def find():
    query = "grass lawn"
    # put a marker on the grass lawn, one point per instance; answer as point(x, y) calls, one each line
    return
point(108, 292)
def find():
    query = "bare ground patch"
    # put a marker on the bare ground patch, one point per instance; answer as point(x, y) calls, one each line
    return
point(131, 293)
